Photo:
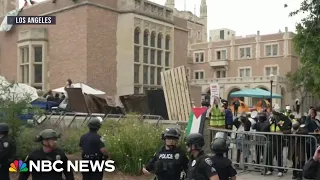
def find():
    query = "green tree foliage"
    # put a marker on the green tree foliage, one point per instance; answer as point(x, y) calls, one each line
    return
point(307, 45)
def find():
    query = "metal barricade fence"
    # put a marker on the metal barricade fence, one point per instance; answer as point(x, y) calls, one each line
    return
point(263, 151)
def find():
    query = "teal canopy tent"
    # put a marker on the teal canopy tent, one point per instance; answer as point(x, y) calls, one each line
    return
point(255, 93)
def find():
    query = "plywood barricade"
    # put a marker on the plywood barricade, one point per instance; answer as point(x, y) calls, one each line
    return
point(177, 95)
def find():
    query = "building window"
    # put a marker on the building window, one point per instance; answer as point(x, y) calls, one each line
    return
point(136, 90)
point(145, 75)
point(152, 56)
point(146, 37)
point(24, 64)
point(189, 32)
point(199, 75)
point(137, 35)
point(136, 53)
point(198, 35)
point(153, 39)
point(145, 55)
point(271, 70)
point(31, 70)
point(272, 50)
point(167, 59)
point(221, 74)
point(221, 55)
point(152, 75)
point(136, 73)
point(37, 66)
point(198, 57)
point(245, 52)
point(159, 58)
point(159, 40)
point(159, 75)
point(244, 72)
point(222, 34)
point(167, 42)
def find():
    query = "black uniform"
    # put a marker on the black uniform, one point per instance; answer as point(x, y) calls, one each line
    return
point(7, 152)
point(168, 164)
point(223, 167)
point(201, 168)
point(91, 143)
point(39, 154)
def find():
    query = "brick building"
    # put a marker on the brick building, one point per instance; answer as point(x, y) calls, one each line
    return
point(118, 46)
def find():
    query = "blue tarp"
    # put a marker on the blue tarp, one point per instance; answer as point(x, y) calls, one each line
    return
point(255, 93)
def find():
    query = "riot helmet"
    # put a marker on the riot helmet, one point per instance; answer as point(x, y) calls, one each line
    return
point(262, 117)
point(47, 134)
point(94, 123)
point(171, 137)
point(219, 144)
point(195, 139)
point(4, 128)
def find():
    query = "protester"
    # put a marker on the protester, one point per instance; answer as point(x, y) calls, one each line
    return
point(297, 106)
point(313, 125)
point(236, 104)
point(311, 170)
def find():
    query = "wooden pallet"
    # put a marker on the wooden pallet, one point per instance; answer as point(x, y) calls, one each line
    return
point(177, 95)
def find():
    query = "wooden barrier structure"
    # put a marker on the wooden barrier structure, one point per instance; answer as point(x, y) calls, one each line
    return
point(176, 91)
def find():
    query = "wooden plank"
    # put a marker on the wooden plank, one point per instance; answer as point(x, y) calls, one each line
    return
point(171, 95)
point(175, 88)
point(184, 96)
point(187, 92)
point(163, 82)
point(169, 105)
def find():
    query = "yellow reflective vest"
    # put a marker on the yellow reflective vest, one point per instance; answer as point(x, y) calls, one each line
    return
point(217, 117)
point(277, 127)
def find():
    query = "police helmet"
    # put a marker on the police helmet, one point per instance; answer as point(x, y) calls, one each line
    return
point(219, 145)
point(262, 116)
point(291, 116)
point(47, 134)
point(4, 127)
point(196, 139)
point(94, 123)
point(171, 133)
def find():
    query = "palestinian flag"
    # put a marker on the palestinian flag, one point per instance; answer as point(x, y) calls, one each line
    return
point(196, 120)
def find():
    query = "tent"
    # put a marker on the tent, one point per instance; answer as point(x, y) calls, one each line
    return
point(255, 93)
point(17, 92)
point(85, 89)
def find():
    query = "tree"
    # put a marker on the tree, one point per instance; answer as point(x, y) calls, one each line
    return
point(306, 80)
point(302, 82)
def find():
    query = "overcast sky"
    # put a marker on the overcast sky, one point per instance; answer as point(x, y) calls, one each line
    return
point(244, 16)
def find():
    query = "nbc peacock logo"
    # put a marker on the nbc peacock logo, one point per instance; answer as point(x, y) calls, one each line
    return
point(18, 166)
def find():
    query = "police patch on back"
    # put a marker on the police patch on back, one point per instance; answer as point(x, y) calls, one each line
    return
point(208, 161)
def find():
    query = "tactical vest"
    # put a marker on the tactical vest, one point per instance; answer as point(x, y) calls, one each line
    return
point(194, 169)
point(217, 117)
point(168, 163)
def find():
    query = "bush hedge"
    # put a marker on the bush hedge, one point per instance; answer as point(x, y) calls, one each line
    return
point(130, 142)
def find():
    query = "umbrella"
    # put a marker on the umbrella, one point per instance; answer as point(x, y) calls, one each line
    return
point(85, 89)
point(17, 92)
point(255, 93)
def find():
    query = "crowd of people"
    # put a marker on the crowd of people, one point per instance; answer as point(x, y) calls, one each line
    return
point(278, 127)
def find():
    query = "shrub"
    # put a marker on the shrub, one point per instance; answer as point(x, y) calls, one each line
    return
point(130, 142)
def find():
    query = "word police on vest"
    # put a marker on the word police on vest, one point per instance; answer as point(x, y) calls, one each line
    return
point(77, 166)
point(169, 156)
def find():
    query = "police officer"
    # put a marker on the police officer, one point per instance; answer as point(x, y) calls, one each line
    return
point(170, 160)
point(93, 148)
point(48, 151)
point(200, 166)
point(222, 164)
point(7, 151)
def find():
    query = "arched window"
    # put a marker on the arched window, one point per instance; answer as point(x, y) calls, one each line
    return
point(159, 40)
point(146, 37)
point(153, 39)
point(137, 35)
point(167, 42)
